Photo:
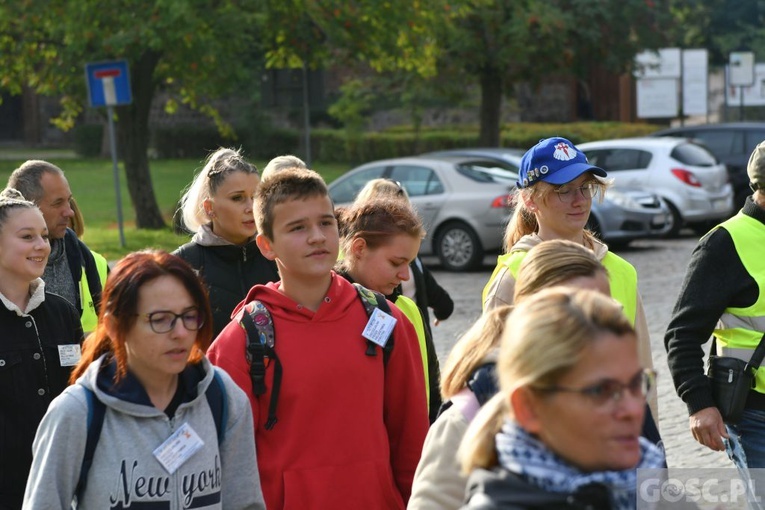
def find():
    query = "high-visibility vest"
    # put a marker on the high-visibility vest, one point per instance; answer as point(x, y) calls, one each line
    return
point(412, 312)
point(89, 316)
point(739, 330)
point(622, 278)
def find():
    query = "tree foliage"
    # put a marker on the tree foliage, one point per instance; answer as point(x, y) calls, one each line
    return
point(721, 26)
point(498, 43)
point(384, 34)
point(194, 50)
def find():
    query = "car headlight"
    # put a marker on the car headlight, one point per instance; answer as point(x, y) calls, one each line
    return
point(622, 199)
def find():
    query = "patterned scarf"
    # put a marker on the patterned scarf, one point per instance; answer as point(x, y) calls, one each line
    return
point(525, 455)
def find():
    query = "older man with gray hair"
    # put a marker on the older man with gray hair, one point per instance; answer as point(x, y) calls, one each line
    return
point(73, 271)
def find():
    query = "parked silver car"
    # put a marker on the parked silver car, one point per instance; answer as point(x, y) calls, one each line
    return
point(623, 215)
point(463, 202)
point(685, 174)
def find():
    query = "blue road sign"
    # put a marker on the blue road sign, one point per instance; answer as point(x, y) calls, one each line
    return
point(108, 83)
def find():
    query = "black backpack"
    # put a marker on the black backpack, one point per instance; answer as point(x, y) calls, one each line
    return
point(259, 329)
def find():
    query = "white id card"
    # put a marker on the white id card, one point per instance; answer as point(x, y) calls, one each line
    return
point(178, 448)
point(69, 355)
point(379, 327)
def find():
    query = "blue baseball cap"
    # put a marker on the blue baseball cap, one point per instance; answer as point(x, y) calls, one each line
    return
point(555, 161)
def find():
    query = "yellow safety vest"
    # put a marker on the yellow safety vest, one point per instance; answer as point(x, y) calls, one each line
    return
point(622, 278)
point(89, 317)
point(739, 330)
point(414, 315)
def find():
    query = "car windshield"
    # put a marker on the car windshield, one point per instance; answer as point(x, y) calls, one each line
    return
point(694, 155)
point(482, 173)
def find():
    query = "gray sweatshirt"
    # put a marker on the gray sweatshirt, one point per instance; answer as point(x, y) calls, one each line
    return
point(125, 473)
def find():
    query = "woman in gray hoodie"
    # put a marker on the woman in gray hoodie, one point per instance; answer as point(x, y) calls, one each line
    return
point(174, 431)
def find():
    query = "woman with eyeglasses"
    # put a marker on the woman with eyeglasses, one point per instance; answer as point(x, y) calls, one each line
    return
point(147, 421)
point(555, 189)
point(564, 429)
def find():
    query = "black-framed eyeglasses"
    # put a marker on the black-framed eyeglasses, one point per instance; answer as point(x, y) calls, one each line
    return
point(609, 391)
point(163, 321)
point(567, 193)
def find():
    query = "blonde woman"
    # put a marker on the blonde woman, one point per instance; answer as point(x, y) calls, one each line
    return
point(468, 379)
point(556, 186)
point(218, 208)
point(564, 430)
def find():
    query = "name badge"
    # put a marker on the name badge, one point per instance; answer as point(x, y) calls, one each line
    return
point(178, 448)
point(69, 355)
point(379, 327)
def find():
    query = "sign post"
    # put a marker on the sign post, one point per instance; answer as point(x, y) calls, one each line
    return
point(741, 74)
point(109, 85)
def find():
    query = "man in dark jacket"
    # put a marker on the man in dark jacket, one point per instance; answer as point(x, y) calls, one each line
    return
point(722, 296)
point(73, 271)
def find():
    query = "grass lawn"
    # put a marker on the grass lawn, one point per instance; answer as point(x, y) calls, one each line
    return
point(92, 184)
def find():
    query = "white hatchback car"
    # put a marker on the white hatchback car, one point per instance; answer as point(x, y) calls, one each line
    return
point(685, 174)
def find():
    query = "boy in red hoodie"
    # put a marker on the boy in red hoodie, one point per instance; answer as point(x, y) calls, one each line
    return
point(349, 427)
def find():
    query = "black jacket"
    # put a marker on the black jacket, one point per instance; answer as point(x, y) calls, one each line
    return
point(229, 272)
point(499, 488)
point(31, 376)
point(429, 294)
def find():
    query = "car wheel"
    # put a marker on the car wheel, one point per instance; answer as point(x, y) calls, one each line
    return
point(677, 221)
point(458, 247)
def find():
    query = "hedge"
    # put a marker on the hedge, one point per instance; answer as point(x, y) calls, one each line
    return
point(337, 146)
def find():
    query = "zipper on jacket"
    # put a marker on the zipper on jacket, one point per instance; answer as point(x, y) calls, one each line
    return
point(244, 253)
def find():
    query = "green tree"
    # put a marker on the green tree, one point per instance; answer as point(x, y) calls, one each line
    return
point(195, 50)
point(498, 43)
point(721, 26)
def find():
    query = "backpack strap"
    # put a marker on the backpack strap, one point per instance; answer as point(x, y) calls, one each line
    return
point(260, 340)
point(216, 399)
point(258, 326)
point(96, 412)
point(371, 300)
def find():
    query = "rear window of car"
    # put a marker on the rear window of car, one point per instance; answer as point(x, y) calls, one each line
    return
point(487, 172)
point(614, 160)
point(694, 155)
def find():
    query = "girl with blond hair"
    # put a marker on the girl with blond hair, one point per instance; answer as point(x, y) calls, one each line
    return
point(556, 187)
point(218, 209)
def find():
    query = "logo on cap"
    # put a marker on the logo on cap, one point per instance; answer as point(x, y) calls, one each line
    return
point(564, 152)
